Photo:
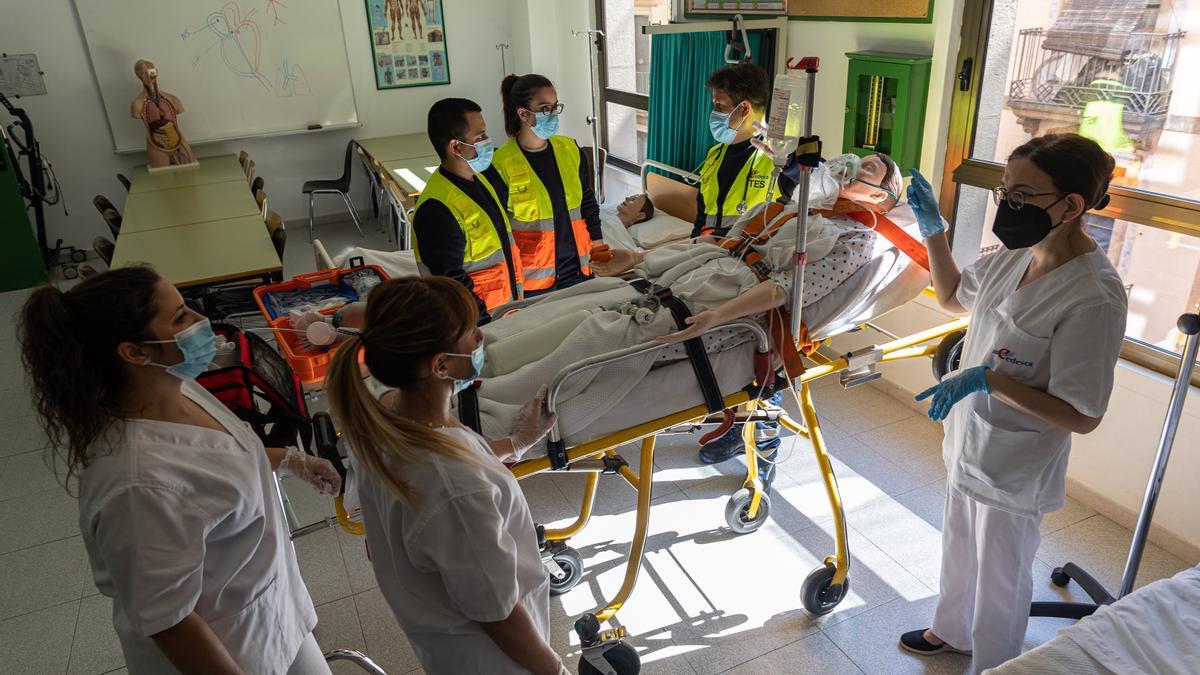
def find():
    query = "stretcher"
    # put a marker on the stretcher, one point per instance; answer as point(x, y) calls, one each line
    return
point(671, 402)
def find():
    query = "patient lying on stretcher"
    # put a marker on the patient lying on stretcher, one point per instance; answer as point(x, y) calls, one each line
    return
point(528, 348)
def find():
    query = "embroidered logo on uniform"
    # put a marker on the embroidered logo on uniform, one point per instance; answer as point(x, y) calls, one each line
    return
point(1005, 354)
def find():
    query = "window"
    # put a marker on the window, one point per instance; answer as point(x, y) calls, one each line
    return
point(1112, 70)
point(625, 74)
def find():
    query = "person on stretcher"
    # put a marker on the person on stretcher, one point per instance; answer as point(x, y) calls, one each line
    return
point(527, 348)
point(838, 245)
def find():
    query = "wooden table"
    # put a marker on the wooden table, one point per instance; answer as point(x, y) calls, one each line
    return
point(404, 146)
point(210, 170)
point(196, 226)
point(158, 209)
point(203, 253)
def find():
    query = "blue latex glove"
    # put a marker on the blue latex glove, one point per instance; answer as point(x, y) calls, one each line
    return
point(953, 389)
point(924, 205)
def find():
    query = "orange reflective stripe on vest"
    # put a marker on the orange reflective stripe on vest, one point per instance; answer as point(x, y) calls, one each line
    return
point(532, 211)
point(483, 250)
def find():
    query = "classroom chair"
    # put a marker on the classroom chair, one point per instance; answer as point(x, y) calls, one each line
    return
point(243, 158)
point(249, 171)
point(104, 248)
point(258, 184)
point(124, 180)
point(260, 198)
point(109, 213)
point(338, 186)
point(278, 230)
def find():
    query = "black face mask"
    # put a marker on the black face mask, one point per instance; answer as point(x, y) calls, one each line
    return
point(1022, 229)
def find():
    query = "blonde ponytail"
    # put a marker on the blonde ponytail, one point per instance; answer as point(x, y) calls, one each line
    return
point(407, 320)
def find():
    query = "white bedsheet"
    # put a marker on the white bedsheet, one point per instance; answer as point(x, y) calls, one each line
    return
point(1155, 629)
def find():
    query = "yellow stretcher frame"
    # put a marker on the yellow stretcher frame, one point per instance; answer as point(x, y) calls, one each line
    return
point(825, 585)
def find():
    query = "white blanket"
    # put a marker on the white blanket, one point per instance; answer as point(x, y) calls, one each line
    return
point(529, 348)
point(1155, 629)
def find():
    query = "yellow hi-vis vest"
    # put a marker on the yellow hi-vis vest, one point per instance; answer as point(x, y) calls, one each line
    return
point(750, 186)
point(483, 254)
point(532, 212)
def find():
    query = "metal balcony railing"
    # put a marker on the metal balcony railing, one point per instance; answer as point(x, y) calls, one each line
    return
point(1065, 77)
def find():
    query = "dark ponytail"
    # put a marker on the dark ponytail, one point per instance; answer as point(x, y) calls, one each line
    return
point(517, 92)
point(69, 350)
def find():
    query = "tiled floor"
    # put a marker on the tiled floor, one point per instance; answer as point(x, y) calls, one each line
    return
point(707, 600)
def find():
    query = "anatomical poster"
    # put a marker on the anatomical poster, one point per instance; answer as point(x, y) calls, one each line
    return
point(408, 39)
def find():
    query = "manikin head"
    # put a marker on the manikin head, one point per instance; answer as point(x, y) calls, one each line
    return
point(876, 185)
point(147, 73)
point(635, 209)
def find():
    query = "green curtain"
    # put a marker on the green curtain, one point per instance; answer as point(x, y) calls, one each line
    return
point(680, 63)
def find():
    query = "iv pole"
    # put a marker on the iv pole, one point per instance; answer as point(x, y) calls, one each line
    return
point(594, 118)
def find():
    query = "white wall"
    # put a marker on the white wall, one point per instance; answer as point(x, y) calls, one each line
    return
point(74, 133)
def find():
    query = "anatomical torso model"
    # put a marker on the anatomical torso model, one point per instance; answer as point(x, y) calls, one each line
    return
point(165, 144)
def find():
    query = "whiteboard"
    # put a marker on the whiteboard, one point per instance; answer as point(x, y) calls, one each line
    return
point(240, 67)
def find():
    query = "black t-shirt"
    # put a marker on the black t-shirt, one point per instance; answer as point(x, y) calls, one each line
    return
point(441, 240)
point(567, 271)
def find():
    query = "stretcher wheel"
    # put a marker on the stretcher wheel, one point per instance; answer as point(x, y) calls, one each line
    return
point(1059, 578)
point(623, 659)
point(571, 563)
point(818, 596)
point(70, 272)
point(737, 512)
point(78, 256)
point(948, 354)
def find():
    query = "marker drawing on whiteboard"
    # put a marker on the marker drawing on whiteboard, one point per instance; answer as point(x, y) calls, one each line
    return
point(238, 38)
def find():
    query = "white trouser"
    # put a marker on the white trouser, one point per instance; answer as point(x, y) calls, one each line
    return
point(309, 660)
point(987, 579)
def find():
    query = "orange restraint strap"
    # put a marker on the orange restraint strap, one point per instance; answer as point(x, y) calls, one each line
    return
point(895, 234)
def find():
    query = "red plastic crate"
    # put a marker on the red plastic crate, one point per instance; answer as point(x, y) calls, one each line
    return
point(308, 364)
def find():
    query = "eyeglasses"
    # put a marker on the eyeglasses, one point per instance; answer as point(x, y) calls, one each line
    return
point(548, 109)
point(877, 187)
point(1016, 199)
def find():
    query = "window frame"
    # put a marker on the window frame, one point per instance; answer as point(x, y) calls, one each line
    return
point(608, 95)
point(1136, 206)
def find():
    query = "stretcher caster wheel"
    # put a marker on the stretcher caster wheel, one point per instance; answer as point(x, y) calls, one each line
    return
point(818, 595)
point(622, 660)
point(78, 256)
point(737, 512)
point(948, 354)
point(1059, 578)
point(570, 564)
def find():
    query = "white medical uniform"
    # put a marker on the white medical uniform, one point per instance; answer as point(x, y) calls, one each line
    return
point(1060, 334)
point(465, 552)
point(178, 518)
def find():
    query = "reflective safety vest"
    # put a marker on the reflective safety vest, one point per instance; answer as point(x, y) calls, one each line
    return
point(483, 253)
point(749, 187)
point(532, 211)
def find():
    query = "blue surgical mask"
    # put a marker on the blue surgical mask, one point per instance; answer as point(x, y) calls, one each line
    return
point(476, 357)
point(483, 155)
point(718, 124)
point(199, 346)
point(546, 126)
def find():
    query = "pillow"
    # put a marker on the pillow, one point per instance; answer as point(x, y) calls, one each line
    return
point(663, 228)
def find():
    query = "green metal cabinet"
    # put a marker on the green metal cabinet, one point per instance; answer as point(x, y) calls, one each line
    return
point(20, 261)
point(885, 105)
